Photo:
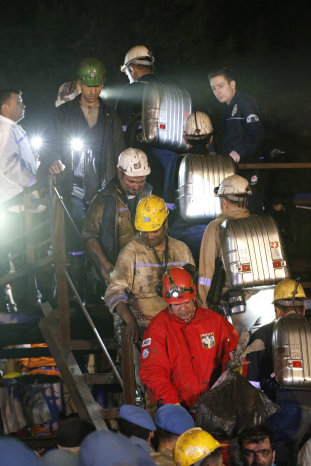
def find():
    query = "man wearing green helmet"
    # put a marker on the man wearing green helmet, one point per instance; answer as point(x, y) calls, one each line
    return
point(87, 140)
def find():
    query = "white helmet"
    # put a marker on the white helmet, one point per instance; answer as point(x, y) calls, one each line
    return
point(234, 187)
point(198, 126)
point(133, 162)
point(138, 55)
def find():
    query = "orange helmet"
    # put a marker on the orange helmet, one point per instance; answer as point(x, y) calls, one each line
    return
point(177, 286)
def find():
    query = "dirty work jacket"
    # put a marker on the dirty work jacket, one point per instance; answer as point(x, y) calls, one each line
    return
point(109, 219)
point(136, 274)
point(181, 360)
point(210, 250)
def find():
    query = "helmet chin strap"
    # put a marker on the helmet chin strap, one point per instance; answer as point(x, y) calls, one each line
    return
point(129, 74)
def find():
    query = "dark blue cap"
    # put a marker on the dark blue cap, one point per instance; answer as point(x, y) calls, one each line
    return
point(14, 453)
point(104, 448)
point(173, 418)
point(138, 416)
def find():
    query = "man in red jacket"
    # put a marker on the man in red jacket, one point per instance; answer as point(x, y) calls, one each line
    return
point(185, 347)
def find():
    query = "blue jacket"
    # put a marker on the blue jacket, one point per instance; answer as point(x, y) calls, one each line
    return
point(243, 129)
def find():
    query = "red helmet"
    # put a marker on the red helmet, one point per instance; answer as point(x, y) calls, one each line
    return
point(177, 286)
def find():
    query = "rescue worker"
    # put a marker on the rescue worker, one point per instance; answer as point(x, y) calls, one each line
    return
point(171, 421)
point(185, 348)
point(197, 447)
point(139, 68)
point(109, 222)
point(233, 193)
point(294, 420)
point(257, 446)
point(140, 266)
point(198, 135)
point(243, 130)
point(67, 92)
point(87, 141)
point(18, 166)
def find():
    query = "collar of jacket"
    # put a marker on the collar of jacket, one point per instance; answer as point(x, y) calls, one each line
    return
point(234, 212)
point(75, 105)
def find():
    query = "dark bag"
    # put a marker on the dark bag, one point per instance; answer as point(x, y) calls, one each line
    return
point(232, 406)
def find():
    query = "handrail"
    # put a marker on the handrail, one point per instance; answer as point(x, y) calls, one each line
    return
point(274, 166)
point(98, 337)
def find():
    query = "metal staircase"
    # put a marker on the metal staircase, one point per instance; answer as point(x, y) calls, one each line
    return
point(55, 324)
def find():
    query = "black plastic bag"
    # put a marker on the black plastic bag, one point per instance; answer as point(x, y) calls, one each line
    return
point(232, 406)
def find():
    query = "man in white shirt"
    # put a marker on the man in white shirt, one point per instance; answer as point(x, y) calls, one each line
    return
point(17, 163)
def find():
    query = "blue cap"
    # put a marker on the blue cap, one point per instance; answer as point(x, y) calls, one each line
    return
point(173, 418)
point(15, 453)
point(61, 457)
point(104, 448)
point(137, 416)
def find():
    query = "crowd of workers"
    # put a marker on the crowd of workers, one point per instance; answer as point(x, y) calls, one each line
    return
point(150, 279)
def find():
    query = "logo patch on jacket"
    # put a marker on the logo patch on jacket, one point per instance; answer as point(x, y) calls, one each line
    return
point(146, 342)
point(234, 110)
point(145, 354)
point(208, 340)
point(252, 118)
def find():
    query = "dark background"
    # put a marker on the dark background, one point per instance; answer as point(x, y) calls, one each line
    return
point(266, 43)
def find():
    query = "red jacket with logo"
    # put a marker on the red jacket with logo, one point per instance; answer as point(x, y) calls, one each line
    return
point(181, 360)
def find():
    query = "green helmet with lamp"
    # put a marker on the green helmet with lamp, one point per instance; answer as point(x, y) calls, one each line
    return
point(92, 72)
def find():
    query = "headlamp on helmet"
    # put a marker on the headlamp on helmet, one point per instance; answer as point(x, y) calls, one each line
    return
point(177, 286)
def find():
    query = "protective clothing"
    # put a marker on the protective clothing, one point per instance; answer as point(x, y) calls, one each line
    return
point(211, 249)
point(289, 293)
point(137, 273)
point(150, 213)
point(134, 162)
point(109, 218)
point(138, 55)
point(92, 72)
point(177, 286)
point(198, 126)
point(194, 445)
point(181, 360)
point(293, 421)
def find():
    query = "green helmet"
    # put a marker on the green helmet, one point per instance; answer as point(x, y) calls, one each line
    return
point(92, 72)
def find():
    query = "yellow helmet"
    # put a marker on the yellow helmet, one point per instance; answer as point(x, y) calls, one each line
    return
point(289, 293)
point(150, 213)
point(194, 445)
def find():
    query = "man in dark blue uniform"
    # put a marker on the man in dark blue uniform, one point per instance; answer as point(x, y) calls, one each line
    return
point(243, 131)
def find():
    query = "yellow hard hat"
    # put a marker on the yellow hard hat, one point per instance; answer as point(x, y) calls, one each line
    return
point(289, 293)
point(150, 213)
point(194, 445)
